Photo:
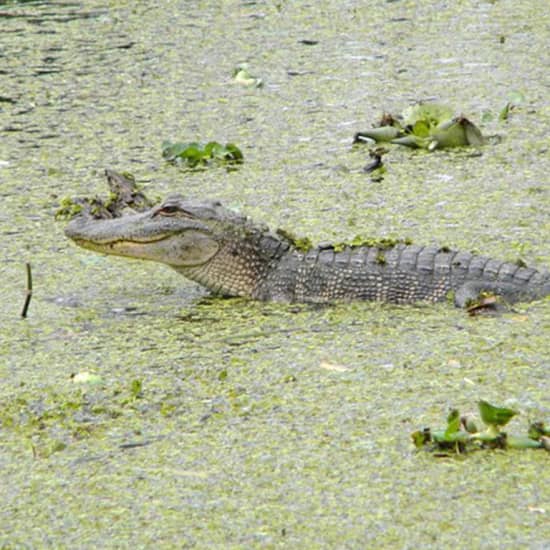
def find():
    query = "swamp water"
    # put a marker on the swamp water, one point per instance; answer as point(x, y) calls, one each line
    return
point(231, 424)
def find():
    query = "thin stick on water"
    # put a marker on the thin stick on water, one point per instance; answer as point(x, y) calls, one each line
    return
point(29, 291)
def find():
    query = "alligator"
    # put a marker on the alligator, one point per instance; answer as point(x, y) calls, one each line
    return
point(231, 255)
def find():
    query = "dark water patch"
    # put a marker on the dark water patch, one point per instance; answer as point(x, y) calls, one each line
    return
point(12, 128)
point(125, 46)
point(74, 13)
point(46, 71)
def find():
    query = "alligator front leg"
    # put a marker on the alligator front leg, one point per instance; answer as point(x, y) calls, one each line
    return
point(473, 291)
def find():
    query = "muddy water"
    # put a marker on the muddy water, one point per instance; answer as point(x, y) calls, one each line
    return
point(225, 423)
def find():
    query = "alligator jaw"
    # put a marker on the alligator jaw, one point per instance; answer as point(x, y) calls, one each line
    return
point(118, 246)
point(95, 244)
point(138, 237)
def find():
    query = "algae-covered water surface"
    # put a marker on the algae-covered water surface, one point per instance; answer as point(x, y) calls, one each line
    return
point(136, 410)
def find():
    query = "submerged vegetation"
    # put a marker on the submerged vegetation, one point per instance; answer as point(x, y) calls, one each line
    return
point(462, 433)
point(58, 418)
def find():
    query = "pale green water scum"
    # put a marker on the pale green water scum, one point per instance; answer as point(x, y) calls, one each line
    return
point(230, 424)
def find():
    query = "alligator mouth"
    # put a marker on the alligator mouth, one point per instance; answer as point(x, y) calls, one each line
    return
point(185, 249)
point(83, 241)
point(134, 247)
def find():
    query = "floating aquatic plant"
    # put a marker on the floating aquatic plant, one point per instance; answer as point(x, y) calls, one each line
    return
point(427, 126)
point(242, 76)
point(124, 194)
point(193, 154)
point(462, 433)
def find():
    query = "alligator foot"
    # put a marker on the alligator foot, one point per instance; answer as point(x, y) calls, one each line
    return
point(475, 295)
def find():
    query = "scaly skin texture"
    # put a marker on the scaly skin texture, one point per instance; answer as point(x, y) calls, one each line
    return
point(232, 256)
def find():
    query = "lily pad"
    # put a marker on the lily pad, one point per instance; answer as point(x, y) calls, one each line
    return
point(516, 98)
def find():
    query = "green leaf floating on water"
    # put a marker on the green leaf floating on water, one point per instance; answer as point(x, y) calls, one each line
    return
point(414, 141)
point(241, 75)
point(380, 134)
point(515, 98)
point(495, 416)
point(430, 114)
point(193, 154)
point(522, 442)
point(538, 430)
point(456, 132)
point(453, 422)
point(136, 388)
point(426, 126)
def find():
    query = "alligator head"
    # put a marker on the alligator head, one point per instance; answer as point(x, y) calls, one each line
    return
point(180, 233)
point(204, 241)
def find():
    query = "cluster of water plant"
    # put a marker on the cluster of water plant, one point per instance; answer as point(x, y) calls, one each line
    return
point(124, 193)
point(195, 154)
point(426, 125)
point(382, 243)
point(303, 244)
point(463, 434)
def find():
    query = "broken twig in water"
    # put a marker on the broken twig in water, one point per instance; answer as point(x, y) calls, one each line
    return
point(29, 291)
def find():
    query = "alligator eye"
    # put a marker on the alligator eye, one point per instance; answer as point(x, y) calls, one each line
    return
point(168, 210)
